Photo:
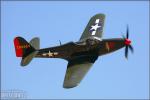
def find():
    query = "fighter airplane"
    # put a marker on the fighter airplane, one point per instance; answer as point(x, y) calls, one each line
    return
point(80, 55)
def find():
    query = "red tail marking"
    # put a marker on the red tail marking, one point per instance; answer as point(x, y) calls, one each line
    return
point(19, 51)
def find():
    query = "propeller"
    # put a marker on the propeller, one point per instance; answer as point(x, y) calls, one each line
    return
point(127, 43)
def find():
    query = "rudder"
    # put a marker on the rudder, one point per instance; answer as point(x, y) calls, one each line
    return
point(22, 47)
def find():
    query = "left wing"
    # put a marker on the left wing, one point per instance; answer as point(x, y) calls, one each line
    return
point(77, 69)
point(94, 27)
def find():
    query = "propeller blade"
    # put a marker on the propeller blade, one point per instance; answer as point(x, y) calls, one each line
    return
point(131, 48)
point(127, 36)
point(126, 51)
point(128, 46)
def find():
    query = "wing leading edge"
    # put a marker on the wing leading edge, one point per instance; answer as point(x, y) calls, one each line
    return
point(94, 27)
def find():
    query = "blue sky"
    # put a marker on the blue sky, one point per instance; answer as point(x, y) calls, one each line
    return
point(111, 77)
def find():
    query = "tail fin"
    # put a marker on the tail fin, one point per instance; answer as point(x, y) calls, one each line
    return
point(24, 50)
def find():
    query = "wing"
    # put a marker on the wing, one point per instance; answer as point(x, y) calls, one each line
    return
point(94, 27)
point(76, 70)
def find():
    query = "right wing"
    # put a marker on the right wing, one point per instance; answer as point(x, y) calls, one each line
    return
point(94, 27)
point(77, 69)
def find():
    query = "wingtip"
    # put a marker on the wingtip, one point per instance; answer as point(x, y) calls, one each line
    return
point(100, 14)
point(69, 86)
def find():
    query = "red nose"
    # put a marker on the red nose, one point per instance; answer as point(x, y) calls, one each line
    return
point(127, 42)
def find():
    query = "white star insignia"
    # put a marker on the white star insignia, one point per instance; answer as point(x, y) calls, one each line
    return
point(50, 53)
point(95, 27)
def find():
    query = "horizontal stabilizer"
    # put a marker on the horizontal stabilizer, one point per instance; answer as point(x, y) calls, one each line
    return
point(35, 42)
point(26, 60)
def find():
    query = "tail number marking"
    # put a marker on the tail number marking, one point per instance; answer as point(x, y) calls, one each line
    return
point(22, 46)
